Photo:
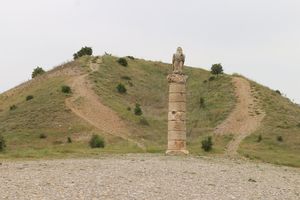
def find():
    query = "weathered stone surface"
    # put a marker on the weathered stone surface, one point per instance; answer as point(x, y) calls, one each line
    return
point(177, 97)
point(176, 144)
point(175, 116)
point(177, 87)
point(176, 135)
point(177, 106)
point(177, 78)
point(176, 126)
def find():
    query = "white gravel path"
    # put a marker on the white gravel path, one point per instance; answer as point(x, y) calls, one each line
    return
point(147, 177)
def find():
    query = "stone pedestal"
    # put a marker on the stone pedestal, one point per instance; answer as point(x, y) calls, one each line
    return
point(177, 114)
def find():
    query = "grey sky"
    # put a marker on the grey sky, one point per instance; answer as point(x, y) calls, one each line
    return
point(257, 38)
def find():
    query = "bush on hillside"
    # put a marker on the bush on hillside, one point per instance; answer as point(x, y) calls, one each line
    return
point(298, 125)
point(212, 78)
point(126, 78)
point(217, 69)
point(123, 62)
point(84, 51)
point(279, 138)
point(13, 107)
point(29, 97)
point(137, 109)
point(207, 144)
point(2, 143)
point(42, 136)
point(121, 88)
point(202, 102)
point(66, 89)
point(37, 71)
point(131, 57)
point(69, 140)
point(259, 139)
point(97, 142)
point(278, 92)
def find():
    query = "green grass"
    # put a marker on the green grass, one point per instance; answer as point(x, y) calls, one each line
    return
point(47, 114)
point(282, 118)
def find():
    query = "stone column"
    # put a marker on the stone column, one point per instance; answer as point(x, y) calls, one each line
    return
point(177, 114)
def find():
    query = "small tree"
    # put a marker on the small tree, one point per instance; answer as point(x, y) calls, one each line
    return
point(202, 102)
point(97, 142)
point(37, 71)
point(69, 140)
point(207, 144)
point(137, 109)
point(259, 139)
point(123, 62)
point(217, 69)
point(13, 107)
point(42, 136)
point(29, 97)
point(121, 88)
point(279, 138)
point(278, 92)
point(84, 51)
point(66, 89)
point(2, 143)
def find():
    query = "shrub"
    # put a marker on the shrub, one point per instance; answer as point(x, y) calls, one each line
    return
point(131, 57)
point(69, 140)
point(2, 143)
point(13, 107)
point(298, 125)
point(97, 142)
point(43, 136)
point(84, 51)
point(212, 78)
point(279, 138)
point(278, 92)
point(259, 139)
point(217, 69)
point(37, 71)
point(123, 62)
point(143, 121)
point(126, 78)
point(121, 88)
point(128, 108)
point(202, 102)
point(207, 144)
point(66, 89)
point(29, 97)
point(137, 109)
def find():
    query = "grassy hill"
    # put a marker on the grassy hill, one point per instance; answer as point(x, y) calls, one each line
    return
point(280, 130)
point(146, 85)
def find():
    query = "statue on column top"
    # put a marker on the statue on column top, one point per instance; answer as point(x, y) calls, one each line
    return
point(178, 61)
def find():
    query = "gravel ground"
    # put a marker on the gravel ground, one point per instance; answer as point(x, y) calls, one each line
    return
point(147, 177)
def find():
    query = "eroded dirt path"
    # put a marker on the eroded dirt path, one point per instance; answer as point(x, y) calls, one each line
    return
point(245, 118)
point(87, 105)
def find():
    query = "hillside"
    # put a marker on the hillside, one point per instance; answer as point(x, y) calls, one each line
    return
point(96, 107)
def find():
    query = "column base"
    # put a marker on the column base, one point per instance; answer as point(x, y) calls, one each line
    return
point(177, 152)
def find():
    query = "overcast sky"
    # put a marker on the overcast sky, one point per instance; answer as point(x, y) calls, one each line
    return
point(257, 38)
